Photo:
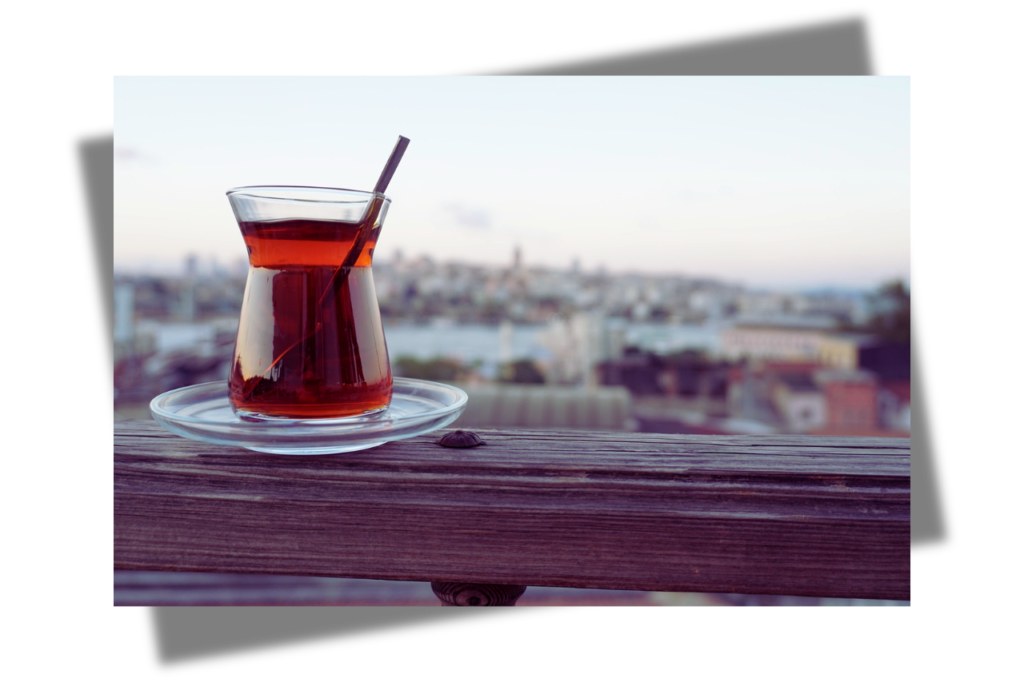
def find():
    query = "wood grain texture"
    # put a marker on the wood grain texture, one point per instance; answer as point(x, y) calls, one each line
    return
point(788, 515)
point(477, 594)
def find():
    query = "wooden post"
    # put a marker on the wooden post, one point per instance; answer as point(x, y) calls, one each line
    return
point(477, 594)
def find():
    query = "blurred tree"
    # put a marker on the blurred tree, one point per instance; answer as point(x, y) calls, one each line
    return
point(520, 372)
point(659, 313)
point(891, 320)
point(686, 356)
point(492, 312)
point(434, 369)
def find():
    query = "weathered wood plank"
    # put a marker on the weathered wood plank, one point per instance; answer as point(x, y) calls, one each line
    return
point(760, 515)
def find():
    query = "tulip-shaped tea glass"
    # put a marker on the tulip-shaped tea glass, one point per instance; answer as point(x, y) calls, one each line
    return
point(310, 342)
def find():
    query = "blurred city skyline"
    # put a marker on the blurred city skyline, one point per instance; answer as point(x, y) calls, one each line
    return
point(771, 182)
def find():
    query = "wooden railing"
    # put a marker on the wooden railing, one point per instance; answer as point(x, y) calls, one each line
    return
point(784, 515)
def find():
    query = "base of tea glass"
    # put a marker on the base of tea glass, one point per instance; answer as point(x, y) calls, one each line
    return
point(203, 412)
point(259, 417)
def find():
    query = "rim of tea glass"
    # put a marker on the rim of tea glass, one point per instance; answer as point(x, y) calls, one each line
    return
point(245, 190)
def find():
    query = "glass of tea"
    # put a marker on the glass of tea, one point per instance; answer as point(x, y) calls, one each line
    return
point(310, 342)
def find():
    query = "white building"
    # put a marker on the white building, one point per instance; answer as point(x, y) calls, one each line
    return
point(577, 344)
point(778, 338)
point(800, 403)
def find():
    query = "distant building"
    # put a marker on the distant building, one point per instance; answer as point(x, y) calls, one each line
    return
point(187, 302)
point(813, 342)
point(842, 351)
point(807, 397)
point(578, 344)
point(852, 398)
point(505, 332)
point(894, 405)
point(124, 313)
point(778, 338)
point(505, 406)
point(890, 362)
point(800, 402)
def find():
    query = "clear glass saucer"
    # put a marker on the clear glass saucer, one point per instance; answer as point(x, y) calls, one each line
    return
point(202, 412)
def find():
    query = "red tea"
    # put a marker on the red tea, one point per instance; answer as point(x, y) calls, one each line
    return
point(310, 341)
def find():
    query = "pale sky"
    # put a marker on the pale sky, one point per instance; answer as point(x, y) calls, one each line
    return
point(767, 181)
